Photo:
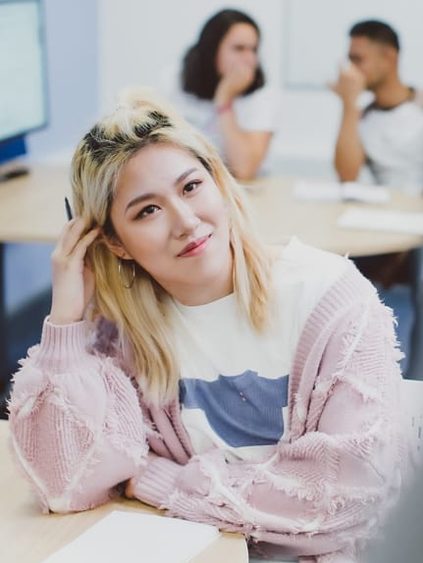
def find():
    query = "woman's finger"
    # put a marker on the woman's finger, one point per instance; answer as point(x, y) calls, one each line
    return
point(82, 245)
point(70, 236)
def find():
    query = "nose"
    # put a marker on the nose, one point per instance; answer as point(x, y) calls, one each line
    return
point(250, 57)
point(184, 219)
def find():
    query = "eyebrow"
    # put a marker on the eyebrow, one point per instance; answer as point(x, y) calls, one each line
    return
point(149, 195)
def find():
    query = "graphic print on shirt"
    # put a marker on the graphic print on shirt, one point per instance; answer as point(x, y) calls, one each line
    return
point(244, 410)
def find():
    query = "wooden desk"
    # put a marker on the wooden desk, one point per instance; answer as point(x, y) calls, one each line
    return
point(27, 536)
point(32, 207)
point(278, 215)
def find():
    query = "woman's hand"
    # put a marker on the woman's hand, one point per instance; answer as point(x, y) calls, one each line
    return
point(234, 83)
point(73, 281)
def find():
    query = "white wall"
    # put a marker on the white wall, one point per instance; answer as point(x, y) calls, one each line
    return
point(72, 61)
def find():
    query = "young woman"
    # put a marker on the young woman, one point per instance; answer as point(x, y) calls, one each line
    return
point(221, 90)
point(186, 365)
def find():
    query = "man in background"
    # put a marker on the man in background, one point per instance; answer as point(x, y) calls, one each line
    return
point(387, 136)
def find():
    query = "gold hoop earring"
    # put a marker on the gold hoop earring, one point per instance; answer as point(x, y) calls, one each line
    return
point(125, 283)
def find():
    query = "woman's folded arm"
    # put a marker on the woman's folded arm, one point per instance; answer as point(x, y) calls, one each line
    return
point(76, 425)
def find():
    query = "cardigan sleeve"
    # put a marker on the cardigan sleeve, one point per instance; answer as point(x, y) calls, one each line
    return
point(329, 485)
point(76, 424)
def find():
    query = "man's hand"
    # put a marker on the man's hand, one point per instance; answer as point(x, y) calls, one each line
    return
point(350, 84)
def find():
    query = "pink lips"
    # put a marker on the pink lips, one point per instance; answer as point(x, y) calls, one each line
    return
point(194, 248)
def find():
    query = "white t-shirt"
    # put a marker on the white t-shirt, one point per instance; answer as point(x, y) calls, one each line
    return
point(259, 111)
point(393, 143)
point(234, 381)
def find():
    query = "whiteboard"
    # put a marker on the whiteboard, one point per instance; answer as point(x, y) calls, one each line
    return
point(316, 37)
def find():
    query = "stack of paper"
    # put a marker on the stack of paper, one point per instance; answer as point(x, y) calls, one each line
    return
point(335, 191)
point(382, 220)
point(132, 537)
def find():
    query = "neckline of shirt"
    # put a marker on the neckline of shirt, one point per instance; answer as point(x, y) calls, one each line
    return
point(228, 301)
point(374, 106)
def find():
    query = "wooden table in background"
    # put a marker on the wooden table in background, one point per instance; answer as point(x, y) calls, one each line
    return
point(278, 215)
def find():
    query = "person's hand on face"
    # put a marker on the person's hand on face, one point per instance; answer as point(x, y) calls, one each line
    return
point(73, 281)
point(234, 82)
point(350, 84)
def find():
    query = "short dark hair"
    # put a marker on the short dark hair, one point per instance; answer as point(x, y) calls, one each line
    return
point(377, 31)
point(199, 74)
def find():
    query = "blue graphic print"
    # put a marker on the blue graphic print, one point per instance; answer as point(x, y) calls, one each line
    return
point(244, 410)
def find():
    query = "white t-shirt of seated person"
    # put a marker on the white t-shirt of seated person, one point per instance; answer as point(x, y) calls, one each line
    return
point(258, 111)
point(393, 144)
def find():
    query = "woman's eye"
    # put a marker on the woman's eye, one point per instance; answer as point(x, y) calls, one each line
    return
point(191, 186)
point(148, 210)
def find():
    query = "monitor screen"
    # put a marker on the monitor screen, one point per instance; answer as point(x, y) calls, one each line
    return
point(23, 91)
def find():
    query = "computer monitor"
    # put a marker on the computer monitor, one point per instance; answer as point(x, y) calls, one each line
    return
point(23, 74)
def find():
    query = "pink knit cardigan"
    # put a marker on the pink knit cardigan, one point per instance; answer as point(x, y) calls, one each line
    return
point(80, 428)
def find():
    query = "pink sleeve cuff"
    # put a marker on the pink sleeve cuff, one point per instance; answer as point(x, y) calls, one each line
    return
point(156, 483)
point(62, 346)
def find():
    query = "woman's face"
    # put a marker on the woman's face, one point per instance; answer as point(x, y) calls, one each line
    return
point(238, 48)
point(171, 219)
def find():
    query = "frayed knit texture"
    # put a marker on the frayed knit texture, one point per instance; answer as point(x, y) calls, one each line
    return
point(80, 427)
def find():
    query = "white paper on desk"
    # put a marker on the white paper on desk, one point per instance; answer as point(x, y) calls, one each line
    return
point(336, 191)
point(382, 220)
point(133, 537)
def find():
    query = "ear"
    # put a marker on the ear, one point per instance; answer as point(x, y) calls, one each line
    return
point(116, 247)
point(394, 56)
point(390, 54)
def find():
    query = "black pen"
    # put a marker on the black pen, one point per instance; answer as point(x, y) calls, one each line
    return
point(68, 209)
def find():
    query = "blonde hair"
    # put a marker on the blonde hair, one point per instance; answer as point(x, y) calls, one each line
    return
point(142, 313)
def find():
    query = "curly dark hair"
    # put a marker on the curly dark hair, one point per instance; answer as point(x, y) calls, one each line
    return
point(199, 74)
